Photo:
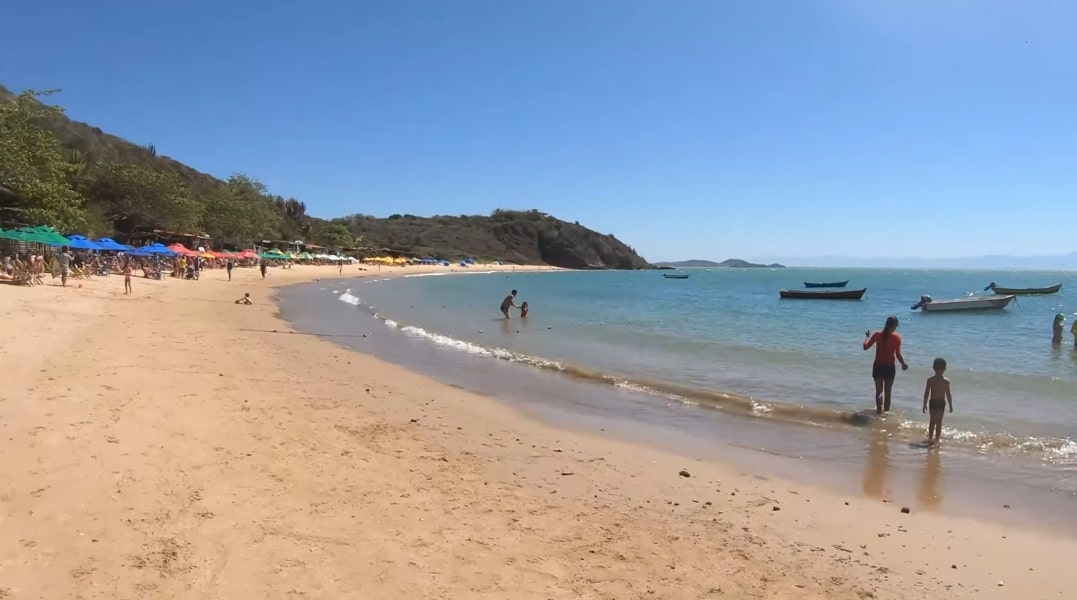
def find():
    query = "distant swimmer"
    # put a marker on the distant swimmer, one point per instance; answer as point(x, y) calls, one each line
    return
point(507, 303)
point(887, 348)
point(1056, 337)
point(936, 396)
point(523, 310)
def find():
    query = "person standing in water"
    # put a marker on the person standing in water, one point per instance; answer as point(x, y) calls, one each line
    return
point(887, 348)
point(1057, 329)
point(523, 310)
point(936, 396)
point(507, 303)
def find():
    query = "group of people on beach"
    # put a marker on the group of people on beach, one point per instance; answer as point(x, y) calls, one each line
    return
point(937, 395)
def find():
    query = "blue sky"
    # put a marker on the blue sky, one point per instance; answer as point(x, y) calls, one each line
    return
point(688, 128)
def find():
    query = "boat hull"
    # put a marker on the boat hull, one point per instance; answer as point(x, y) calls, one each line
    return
point(822, 294)
point(1027, 291)
point(676, 276)
point(968, 304)
point(831, 284)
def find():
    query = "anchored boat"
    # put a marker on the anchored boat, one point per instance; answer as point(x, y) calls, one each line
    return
point(831, 284)
point(823, 294)
point(1004, 291)
point(676, 275)
point(971, 303)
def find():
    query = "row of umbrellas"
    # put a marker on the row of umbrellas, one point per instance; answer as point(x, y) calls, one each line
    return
point(45, 234)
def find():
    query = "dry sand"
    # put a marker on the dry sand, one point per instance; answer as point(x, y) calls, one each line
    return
point(159, 446)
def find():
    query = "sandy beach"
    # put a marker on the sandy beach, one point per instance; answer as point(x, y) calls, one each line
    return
point(173, 444)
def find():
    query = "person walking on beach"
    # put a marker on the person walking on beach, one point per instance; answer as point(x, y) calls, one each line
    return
point(228, 267)
point(507, 303)
point(936, 396)
point(887, 348)
point(127, 270)
point(1057, 328)
point(262, 267)
point(64, 259)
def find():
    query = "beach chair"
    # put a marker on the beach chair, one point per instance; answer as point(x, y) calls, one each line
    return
point(21, 275)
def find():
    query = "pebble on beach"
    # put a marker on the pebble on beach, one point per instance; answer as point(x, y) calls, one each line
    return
point(685, 473)
point(905, 510)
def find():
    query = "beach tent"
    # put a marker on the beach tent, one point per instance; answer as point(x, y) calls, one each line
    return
point(79, 242)
point(110, 245)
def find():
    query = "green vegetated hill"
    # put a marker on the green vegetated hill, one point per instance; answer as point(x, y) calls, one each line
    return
point(61, 172)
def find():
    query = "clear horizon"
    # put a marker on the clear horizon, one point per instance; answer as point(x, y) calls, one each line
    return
point(738, 129)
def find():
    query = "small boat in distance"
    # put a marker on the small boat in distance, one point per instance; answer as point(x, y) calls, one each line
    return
point(831, 284)
point(676, 275)
point(971, 303)
point(1002, 291)
point(822, 294)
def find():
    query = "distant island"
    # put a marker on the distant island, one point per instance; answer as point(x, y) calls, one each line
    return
point(732, 263)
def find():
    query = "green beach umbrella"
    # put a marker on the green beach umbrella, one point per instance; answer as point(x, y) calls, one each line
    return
point(43, 234)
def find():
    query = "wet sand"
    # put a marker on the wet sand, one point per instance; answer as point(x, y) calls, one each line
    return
point(171, 444)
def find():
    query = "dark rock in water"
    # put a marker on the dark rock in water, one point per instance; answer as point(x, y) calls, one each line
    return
point(685, 473)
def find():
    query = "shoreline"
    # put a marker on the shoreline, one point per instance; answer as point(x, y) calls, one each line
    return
point(855, 456)
point(162, 448)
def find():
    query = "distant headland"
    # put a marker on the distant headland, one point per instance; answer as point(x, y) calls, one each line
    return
point(732, 263)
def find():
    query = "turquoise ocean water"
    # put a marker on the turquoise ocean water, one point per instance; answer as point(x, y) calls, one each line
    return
point(723, 339)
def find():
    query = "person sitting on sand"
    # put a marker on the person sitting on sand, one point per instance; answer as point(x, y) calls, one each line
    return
point(508, 302)
point(246, 299)
point(936, 395)
point(1056, 336)
point(523, 310)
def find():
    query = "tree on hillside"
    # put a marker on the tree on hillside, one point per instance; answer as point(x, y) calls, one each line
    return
point(33, 167)
point(294, 222)
point(137, 197)
point(241, 211)
point(336, 235)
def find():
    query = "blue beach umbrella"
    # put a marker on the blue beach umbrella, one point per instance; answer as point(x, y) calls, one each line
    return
point(79, 242)
point(157, 248)
point(111, 245)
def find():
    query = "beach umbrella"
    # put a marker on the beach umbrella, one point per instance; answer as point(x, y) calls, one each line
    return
point(79, 242)
point(157, 248)
point(11, 234)
point(110, 245)
point(44, 234)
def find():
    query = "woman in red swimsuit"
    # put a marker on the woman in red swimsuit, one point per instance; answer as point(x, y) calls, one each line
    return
point(887, 348)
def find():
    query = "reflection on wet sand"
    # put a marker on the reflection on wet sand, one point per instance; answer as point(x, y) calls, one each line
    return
point(929, 494)
point(878, 463)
